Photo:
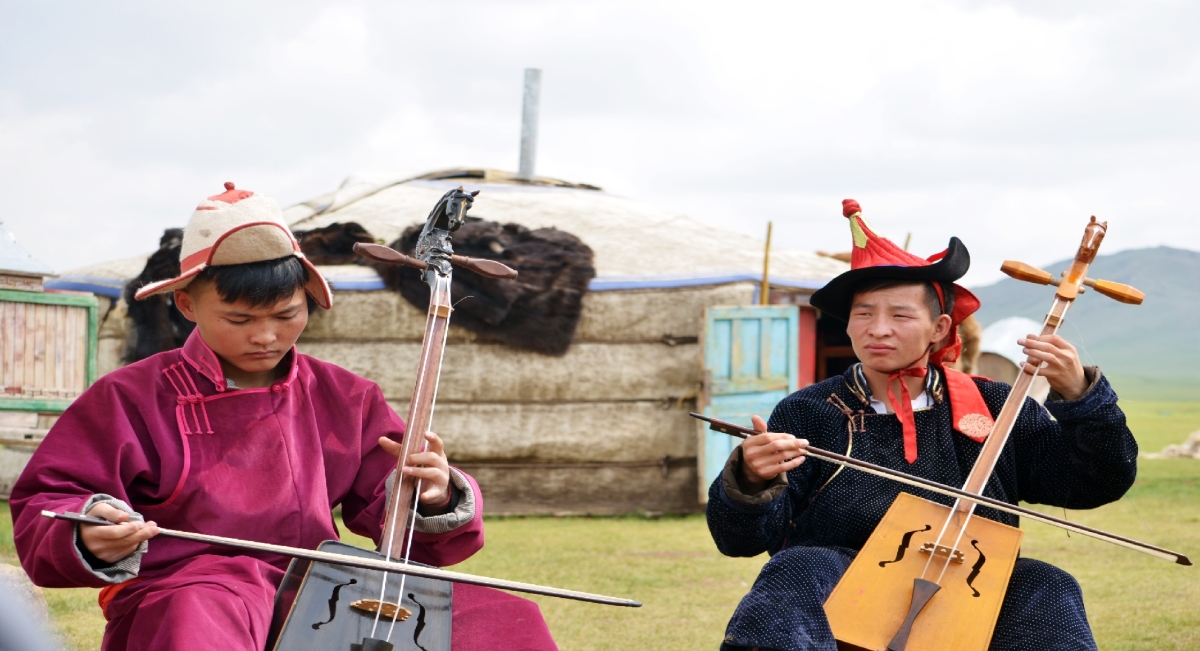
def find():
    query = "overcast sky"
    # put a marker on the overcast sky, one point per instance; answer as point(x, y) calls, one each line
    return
point(1004, 123)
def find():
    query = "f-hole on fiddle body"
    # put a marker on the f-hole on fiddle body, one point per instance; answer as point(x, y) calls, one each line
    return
point(420, 622)
point(333, 602)
point(904, 544)
point(976, 568)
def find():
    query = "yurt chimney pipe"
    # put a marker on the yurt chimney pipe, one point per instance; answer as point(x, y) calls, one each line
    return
point(529, 123)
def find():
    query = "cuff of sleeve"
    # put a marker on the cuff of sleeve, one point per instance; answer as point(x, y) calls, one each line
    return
point(733, 488)
point(1098, 394)
point(462, 514)
point(122, 570)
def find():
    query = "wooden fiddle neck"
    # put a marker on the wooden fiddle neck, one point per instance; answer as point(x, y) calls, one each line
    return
point(420, 416)
point(434, 255)
point(1070, 285)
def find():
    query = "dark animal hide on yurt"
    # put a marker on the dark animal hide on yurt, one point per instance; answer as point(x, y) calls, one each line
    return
point(333, 244)
point(537, 311)
point(155, 323)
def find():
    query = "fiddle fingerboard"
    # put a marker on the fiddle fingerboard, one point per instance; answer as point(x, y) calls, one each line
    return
point(420, 417)
point(990, 454)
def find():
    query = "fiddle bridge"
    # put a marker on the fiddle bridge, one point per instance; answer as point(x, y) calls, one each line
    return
point(955, 555)
point(873, 601)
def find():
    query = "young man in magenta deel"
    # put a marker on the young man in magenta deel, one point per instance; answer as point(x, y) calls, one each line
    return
point(237, 434)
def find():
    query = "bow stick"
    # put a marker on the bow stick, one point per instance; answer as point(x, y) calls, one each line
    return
point(738, 431)
point(365, 563)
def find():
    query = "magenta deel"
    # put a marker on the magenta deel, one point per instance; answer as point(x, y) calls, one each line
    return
point(166, 436)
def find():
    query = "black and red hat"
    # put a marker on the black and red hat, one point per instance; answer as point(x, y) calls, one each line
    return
point(875, 256)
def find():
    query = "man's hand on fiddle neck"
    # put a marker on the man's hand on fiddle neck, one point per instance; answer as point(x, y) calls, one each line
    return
point(1060, 364)
point(767, 454)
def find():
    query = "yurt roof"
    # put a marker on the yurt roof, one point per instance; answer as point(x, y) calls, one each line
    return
point(16, 259)
point(636, 245)
point(1001, 337)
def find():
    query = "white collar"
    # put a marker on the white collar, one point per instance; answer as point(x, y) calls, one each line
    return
point(920, 402)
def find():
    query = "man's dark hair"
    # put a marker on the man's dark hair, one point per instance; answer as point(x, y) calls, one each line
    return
point(261, 284)
point(931, 296)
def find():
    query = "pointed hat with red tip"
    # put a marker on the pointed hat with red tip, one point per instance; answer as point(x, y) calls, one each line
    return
point(875, 256)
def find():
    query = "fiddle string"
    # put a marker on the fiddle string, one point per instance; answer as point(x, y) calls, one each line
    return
point(1125, 497)
point(441, 295)
point(971, 511)
point(938, 541)
point(407, 550)
point(1079, 335)
point(954, 548)
point(1138, 513)
point(941, 536)
point(387, 556)
point(395, 515)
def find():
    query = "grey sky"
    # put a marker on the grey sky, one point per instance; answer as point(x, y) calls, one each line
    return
point(1005, 123)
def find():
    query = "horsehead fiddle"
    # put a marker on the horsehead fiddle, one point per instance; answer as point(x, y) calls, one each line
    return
point(887, 596)
point(313, 607)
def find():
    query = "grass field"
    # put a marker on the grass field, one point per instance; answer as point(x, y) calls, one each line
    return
point(1134, 602)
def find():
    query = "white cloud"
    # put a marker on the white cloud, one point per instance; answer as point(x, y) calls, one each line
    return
point(1005, 123)
point(337, 41)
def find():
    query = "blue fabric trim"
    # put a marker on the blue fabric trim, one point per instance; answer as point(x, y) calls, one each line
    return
point(99, 286)
point(1101, 395)
point(469, 183)
point(114, 288)
point(357, 284)
point(609, 283)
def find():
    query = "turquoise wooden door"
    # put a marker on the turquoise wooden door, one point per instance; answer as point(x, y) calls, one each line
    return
point(751, 362)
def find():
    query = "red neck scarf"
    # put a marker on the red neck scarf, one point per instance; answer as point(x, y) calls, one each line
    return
point(903, 408)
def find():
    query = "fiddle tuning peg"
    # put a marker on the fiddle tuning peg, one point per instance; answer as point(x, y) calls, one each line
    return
point(484, 267)
point(1027, 273)
point(386, 255)
point(1117, 291)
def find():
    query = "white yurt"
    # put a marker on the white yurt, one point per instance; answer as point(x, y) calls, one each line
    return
point(603, 429)
point(1000, 355)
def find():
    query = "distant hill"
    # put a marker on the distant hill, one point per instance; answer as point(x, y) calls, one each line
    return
point(1156, 344)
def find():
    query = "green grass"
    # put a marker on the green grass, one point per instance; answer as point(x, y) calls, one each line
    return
point(1134, 601)
point(1182, 388)
point(1158, 423)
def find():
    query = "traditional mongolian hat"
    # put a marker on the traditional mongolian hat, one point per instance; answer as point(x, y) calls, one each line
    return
point(237, 227)
point(876, 257)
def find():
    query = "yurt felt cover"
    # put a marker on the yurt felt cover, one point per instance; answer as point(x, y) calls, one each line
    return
point(157, 325)
point(538, 311)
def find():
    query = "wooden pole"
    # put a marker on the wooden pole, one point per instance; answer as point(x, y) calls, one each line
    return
point(764, 295)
